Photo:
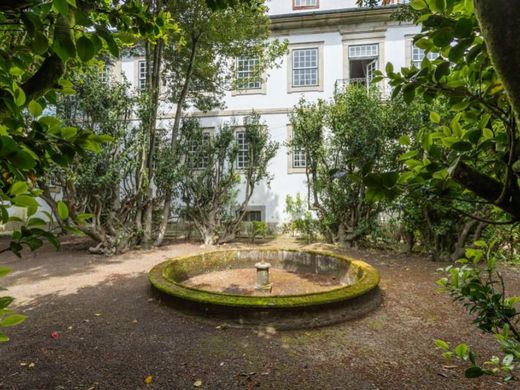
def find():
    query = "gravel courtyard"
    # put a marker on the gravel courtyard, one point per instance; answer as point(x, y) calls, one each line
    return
point(115, 333)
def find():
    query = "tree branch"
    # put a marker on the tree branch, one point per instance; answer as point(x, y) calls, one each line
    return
point(500, 25)
point(45, 79)
point(17, 5)
point(487, 188)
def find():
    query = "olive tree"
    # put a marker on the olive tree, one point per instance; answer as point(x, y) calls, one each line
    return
point(199, 72)
point(210, 179)
point(100, 187)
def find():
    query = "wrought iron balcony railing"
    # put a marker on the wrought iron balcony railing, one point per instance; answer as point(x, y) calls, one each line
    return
point(341, 84)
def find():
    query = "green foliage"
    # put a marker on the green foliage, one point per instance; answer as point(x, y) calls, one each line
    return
point(208, 177)
point(199, 71)
point(258, 229)
point(222, 4)
point(478, 285)
point(8, 317)
point(96, 186)
point(472, 144)
point(39, 41)
point(507, 238)
point(469, 152)
point(302, 221)
point(347, 142)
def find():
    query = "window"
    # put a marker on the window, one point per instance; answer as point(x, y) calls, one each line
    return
point(298, 4)
point(363, 51)
point(362, 63)
point(299, 159)
point(418, 55)
point(198, 159)
point(106, 74)
point(243, 150)
point(305, 67)
point(253, 215)
point(246, 73)
point(141, 75)
point(296, 156)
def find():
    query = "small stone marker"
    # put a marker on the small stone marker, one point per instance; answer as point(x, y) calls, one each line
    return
point(262, 277)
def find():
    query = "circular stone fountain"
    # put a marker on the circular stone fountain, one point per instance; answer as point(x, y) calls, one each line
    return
point(278, 287)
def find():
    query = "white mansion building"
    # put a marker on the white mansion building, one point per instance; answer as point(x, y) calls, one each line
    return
point(331, 42)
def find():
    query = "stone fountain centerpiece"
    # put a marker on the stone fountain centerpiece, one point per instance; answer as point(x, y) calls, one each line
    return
point(262, 276)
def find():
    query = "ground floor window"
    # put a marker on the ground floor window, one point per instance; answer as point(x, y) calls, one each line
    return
point(253, 215)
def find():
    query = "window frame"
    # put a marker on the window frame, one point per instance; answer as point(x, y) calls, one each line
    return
point(431, 55)
point(207, 134)
point(255, 209)
point(376, 39)
point(249, 78)
point(291, 168)
point(319, 87)
point(142, 83)
point(362, 57)
point(248, 213)
point(248, 91)
point(314, 68)
point(298, 7)
point(369, 55)
point(241, 149)
point(298, 154)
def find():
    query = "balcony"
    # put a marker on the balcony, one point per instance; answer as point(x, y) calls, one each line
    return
point(341, 84)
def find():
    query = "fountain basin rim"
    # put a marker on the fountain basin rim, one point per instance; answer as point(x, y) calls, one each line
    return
point(368, 281)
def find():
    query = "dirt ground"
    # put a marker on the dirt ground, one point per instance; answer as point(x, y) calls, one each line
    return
point(114, 333)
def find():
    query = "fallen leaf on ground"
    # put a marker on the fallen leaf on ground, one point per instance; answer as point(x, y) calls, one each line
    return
point(148, 379)
point(134, 321)
point(197, 383)
point(448, 367)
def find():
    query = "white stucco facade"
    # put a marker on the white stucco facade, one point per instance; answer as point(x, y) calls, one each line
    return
point(332, 26)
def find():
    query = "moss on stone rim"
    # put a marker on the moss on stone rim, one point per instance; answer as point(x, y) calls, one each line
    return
point(368, 281)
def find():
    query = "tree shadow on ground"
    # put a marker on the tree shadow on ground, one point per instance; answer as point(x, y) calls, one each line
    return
point(48, 262)
point(116, 332)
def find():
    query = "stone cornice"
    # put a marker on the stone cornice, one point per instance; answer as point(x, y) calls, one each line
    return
point(327, 20)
